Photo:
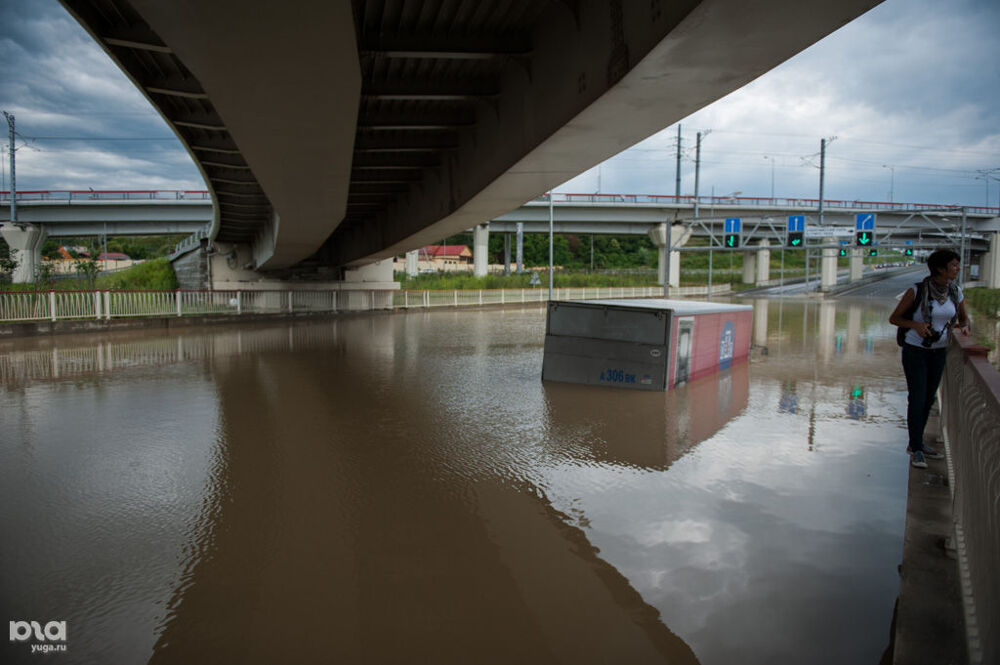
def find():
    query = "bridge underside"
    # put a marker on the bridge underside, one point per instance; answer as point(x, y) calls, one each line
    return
point(336, 135)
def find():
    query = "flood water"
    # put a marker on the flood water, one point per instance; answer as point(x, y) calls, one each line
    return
point(403, 488)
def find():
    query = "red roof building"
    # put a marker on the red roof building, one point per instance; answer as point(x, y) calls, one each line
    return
point(446, 252)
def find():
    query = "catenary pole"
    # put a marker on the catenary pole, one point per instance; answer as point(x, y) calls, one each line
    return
point(13, 171)
point(677, 178)
point(551, 241)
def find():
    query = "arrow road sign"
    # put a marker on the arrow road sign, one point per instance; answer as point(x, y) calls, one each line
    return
point(732, 225)
point(796, 223)
point(864, 239)
point(864, 221)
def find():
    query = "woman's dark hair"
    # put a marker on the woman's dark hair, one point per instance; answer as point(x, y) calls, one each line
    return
point(940, 259)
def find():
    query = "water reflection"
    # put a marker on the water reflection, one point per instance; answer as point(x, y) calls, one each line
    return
point(401, 488)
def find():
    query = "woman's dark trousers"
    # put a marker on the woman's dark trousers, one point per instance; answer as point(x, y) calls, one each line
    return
point(923, 369)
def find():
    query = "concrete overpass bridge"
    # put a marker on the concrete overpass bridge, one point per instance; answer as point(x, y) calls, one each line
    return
point(341, 134)
point(915, 225)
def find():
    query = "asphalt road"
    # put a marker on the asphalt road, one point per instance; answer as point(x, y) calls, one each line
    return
point(888, 288)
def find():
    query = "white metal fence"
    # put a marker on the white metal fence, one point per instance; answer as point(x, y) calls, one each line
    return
point(970, 410)
point(56, 305)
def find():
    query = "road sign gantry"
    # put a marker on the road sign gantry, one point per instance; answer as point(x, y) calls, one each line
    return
point(732, 233)
point(864, 225)
point(796, 230)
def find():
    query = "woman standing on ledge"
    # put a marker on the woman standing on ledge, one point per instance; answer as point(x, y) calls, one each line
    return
point(928, 311)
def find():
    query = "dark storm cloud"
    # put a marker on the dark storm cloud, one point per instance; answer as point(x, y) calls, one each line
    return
point(81, 122)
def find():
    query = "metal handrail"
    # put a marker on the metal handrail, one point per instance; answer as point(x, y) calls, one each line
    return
point(27, 306)
point(970, 415)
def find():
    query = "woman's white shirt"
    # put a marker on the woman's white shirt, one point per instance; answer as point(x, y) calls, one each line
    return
point(940, 316)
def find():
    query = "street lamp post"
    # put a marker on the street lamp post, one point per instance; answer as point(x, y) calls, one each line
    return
point(769, 157)
point(892, 180)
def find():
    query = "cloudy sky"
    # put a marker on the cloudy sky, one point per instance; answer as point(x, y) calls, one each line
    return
point(911, 90)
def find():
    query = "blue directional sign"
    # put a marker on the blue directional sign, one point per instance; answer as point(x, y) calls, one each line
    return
point(732, 225)
point(865, 221)
point(796, 223)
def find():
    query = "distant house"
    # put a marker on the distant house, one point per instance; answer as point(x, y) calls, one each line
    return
point(446, 255)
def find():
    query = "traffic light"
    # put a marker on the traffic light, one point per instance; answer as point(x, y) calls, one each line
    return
point(732, 240)
point(843, 252)
point(908, 251)
point(795, 238)
point(872, 252)
point(864, 238)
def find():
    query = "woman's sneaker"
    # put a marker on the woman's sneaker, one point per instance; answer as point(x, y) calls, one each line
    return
point(917, 460)
point(929, 453)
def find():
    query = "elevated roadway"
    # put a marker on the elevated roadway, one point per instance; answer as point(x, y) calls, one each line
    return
point(334, 135)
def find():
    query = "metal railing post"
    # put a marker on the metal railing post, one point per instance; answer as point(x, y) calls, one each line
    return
point(178, 294)
point(291, 307)
point(239, 303)
point(107, 305)
point(97, 305)
point(52, 304)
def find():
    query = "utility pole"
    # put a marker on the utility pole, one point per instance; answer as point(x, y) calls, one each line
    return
point(551, 242)
point(962, 259)
point(769, 157)
point(677, 179)
point(697, 167)
point(822, 172)
point(13, 176)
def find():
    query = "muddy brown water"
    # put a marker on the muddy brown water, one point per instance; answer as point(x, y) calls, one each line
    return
point(403, 488)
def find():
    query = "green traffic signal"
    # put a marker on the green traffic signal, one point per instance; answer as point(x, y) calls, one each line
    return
point(795, 238)
point(857, 392)
point(873, 252)
point(908, 251)
point(732, 240)
point(843, 252)
point(864, 238)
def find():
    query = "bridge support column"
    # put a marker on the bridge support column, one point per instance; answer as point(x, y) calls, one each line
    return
point(411, 262)
point(825, 336)
point(519, 248)
point(480, 250)
point(828, 267)
point(763, 262)
point(989, 264)
point(506, 253)
point(25, 242)
point(749, 267)
point(857, 262)
point(760, 321)
point(679, 235)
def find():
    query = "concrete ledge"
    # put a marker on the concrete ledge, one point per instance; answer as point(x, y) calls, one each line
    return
point(930, 628)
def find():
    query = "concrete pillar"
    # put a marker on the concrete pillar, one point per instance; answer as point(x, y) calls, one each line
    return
point(480, 250)
point(679, 235)
point(760, 321)
point(749, 267)
point(828, 267)
point(827, 317)
point(411, 262)
point(506, 253)
point(857, 262)
point(25, 242)
point(989, 264)
point(853, 330)
point(520, 248)
point(763, 261)
point(377, 272)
